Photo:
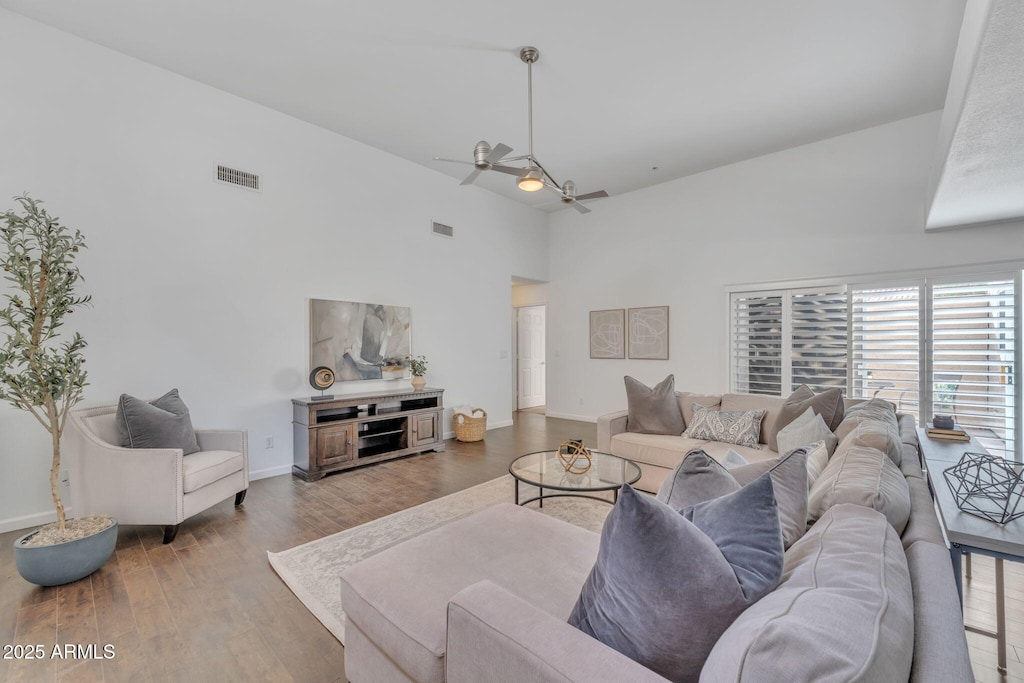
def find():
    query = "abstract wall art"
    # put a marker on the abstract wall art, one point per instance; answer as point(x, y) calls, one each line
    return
point(648, 333)
point(608, 333)
point(359, 341)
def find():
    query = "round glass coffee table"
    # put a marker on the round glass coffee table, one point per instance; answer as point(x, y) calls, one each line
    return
point(543, 469)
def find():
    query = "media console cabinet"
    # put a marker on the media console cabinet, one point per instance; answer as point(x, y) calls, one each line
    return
point(358, 429)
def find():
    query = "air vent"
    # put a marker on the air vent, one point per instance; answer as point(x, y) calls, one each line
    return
point(233, 176)
point(442, 230)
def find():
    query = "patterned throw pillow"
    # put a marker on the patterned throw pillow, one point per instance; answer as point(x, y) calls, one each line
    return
point(741, 427)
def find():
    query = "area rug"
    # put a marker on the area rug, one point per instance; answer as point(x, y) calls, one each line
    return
point(312, 569)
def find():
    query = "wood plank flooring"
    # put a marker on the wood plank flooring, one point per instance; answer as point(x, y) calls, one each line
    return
point(209, 607)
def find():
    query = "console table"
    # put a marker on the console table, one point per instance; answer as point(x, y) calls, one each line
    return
point(357, 429)
point(968, 533)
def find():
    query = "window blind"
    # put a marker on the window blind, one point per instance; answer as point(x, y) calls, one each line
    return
point(972, 367)
point(818, 339)
point(885, 345)
point(756, 331)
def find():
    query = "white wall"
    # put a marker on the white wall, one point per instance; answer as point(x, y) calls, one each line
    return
point(205, 287)
point(847, 205)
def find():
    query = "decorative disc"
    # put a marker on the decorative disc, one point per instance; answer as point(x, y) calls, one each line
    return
point(321, 378)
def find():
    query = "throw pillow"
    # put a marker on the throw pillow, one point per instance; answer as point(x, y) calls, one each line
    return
point(733, 459)
point(163, 423)
point(742, 428)
point(828, 404)
point(697, 478)
point(806, 429)
point(817, 461)
point(666, 585)
point(700, 478)
point(653, 410)
point(789, 477)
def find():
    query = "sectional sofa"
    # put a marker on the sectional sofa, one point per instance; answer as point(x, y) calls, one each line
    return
point(867, 593)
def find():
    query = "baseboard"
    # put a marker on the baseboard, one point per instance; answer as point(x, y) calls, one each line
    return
point(566, 416)
point(270, 472)
point(29, 521)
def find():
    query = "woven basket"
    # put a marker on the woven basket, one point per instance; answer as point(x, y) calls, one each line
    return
point(470, 428)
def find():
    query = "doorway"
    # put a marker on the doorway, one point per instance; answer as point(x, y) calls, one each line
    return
point(531, 322)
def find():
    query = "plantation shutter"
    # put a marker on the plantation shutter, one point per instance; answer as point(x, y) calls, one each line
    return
point(885, 345)
point(973, 359)
point(756, 343)
point(818, 339)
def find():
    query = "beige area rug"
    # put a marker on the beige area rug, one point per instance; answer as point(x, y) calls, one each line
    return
point(312, 570)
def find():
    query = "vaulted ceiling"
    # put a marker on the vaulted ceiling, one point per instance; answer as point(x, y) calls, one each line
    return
point(626, 95)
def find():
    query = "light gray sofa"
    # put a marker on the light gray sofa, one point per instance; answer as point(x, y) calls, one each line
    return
point(658, 454)
point(487, 598)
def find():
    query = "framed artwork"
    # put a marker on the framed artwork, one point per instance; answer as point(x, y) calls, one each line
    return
point(648, 333)
point(608, 334)
point(359, 341)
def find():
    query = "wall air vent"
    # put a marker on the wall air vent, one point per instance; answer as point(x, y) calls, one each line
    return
point(442, 230)
point(232, 176)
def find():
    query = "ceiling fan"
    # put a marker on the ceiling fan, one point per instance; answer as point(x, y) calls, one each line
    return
point(534, 176)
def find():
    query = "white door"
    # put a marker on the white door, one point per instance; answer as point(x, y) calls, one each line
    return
point(530, 359)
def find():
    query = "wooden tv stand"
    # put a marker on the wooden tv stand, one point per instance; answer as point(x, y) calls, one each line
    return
point(358, 429)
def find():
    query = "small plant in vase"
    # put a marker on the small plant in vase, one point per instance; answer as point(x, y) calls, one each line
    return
point(45, 378)
point(418, 368)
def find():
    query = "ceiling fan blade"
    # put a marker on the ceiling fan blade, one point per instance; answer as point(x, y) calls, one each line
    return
point(499, 152)
point(592, 195)
point(511, 170)
point(579, 207)
point(471, 177)
point(455, 161)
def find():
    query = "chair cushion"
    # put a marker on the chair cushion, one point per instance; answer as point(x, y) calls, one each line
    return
point(206, 467)
point(872, 433)
point(771, 405)
point(653, 410)
point(844, 610)
point(163, 423)
point(654, 449)
point(667, 584)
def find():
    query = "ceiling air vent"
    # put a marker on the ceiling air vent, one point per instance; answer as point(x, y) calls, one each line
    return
point(233, 176)
point(442, 230)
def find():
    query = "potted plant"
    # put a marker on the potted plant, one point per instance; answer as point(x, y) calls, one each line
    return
point(46, 378)
point(418, 368)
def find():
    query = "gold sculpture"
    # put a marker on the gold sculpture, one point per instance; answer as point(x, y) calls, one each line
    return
point(574, 456)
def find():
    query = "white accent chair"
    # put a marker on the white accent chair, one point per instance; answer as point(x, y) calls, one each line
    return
point(150, 485)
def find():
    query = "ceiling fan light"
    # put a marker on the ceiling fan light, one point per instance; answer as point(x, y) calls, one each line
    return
point(531, 181)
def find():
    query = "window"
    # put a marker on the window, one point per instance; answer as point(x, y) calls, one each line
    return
point(928, 346)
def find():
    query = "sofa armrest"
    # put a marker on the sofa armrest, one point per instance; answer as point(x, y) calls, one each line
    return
point(940, 646)
point(496, 636)
point(609, 425)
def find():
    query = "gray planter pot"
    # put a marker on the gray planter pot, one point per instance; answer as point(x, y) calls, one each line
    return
point(54, 565)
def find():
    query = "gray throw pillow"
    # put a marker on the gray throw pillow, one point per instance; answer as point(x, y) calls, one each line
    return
point(806, 429)
point(163, 423)
point(666, 584)
point(699, 478)
point(741, 427)
point(653, 410)
point(829, 404)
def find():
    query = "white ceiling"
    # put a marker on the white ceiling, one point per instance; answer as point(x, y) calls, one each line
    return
point(620, 88)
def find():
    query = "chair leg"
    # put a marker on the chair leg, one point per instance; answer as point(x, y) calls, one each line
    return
point(170, 531)
point(240, 496)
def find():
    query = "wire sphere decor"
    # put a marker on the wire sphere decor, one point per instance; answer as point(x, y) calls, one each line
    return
point(986, 486)
point(574, 456)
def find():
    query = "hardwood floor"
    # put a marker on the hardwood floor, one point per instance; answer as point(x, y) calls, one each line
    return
point(208, 607)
